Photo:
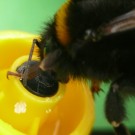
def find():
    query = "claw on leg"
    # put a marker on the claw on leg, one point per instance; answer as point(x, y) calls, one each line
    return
point(115, 124)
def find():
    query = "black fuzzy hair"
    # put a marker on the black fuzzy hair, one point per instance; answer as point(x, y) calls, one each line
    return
point(101, 60)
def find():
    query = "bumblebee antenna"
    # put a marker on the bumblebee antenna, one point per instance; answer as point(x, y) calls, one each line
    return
point(26, 71)
point(23, 75)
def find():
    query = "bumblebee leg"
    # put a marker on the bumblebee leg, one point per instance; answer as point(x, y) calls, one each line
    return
point(114, 108)
point(121, 130)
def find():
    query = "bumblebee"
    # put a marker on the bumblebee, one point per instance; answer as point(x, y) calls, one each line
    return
point(94, 40)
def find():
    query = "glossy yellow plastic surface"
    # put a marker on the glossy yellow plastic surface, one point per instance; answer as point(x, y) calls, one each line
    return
point(69, 112)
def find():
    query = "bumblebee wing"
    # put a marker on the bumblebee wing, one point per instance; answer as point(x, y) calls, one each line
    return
point(120, 24)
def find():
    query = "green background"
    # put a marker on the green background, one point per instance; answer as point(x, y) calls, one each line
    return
point(29, 16)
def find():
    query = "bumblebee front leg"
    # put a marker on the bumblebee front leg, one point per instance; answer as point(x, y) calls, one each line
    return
point(115, 110)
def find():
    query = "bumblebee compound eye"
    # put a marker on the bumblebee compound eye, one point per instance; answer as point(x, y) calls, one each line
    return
point(38, 82)
point(43, 85)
